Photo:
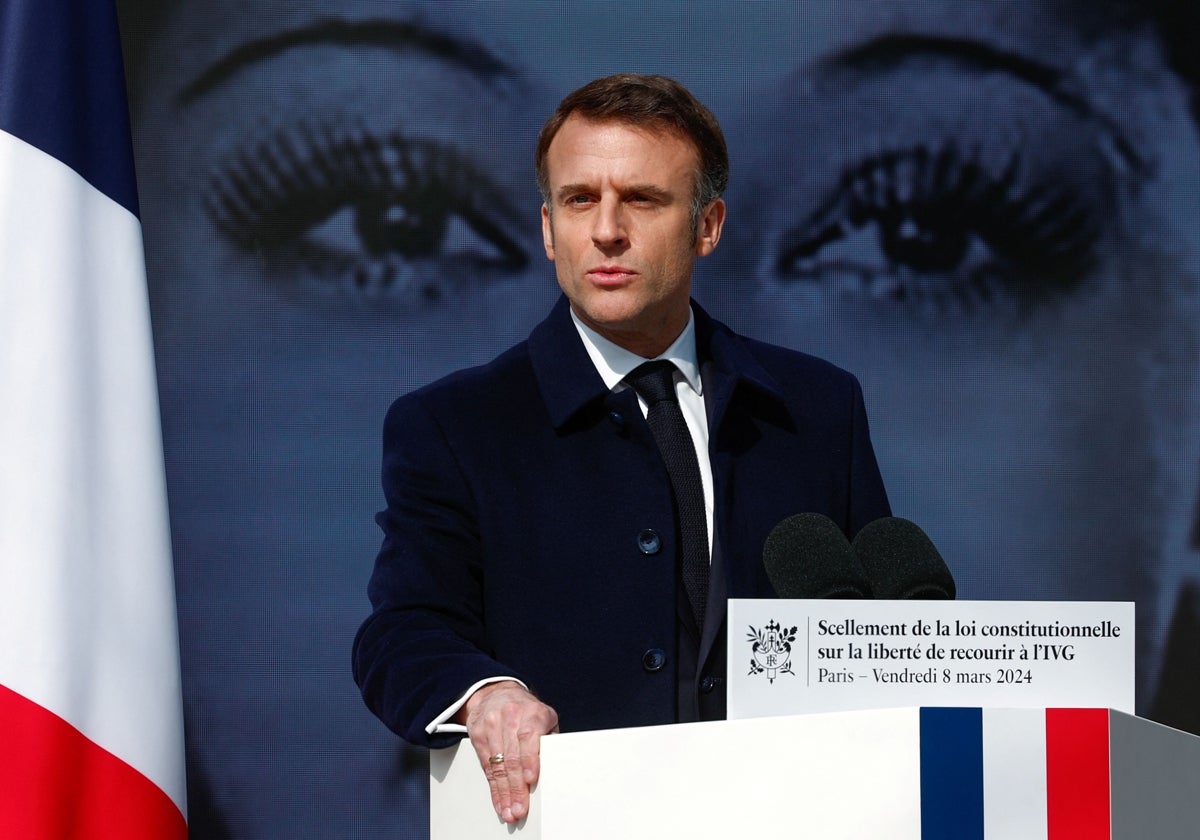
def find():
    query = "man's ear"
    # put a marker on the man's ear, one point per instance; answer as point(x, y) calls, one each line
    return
point(708, 229)
point(547, 233)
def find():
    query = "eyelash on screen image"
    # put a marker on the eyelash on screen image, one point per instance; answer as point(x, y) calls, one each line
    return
point(934, 228)
point(396, 218)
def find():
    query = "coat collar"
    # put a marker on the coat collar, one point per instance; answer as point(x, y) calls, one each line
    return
point(569, 383)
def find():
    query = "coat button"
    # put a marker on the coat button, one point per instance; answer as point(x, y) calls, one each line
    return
point(654, 659)
point(708, 684)
point(617, 419)
point(649, 542)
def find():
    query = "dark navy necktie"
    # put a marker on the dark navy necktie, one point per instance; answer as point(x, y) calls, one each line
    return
point(654, 382)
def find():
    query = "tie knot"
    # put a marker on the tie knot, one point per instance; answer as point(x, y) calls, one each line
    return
point(654, 381)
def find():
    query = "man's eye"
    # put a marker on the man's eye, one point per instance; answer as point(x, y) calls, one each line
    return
point(398, 219)
point(939, 231)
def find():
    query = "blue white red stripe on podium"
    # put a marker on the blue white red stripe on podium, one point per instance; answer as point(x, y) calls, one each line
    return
point(1014, 773)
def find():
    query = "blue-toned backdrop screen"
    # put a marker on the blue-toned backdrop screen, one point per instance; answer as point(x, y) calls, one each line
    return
point(988, 210)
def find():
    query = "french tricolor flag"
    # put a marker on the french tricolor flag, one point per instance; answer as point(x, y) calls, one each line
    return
point(91, 734)
point(1016, 774)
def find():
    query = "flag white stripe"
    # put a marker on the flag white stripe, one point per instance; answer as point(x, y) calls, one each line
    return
point(1014, 774)
point(87, 600)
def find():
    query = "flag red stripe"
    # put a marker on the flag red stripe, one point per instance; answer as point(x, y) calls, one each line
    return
point(54, 782)
point(1077, 794)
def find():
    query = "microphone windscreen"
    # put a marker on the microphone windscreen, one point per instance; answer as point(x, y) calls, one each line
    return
point(902, 562)
point(808, 556)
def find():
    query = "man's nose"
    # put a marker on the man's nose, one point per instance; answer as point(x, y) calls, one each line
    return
point(609, 227)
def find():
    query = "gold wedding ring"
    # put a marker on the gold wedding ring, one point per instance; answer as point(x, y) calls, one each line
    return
point(498, 758)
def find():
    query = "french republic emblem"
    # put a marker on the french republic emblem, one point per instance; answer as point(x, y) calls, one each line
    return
point(771, 650)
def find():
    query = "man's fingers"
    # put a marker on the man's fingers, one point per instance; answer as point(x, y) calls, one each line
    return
point(486, 739)
point(505, 774)
point(495, 767)
point(517, 746)
point(531, 759)
point(505, 724)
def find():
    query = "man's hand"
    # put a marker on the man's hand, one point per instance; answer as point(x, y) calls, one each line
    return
point(506, 723)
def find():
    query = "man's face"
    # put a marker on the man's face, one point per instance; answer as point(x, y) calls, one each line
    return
point(619, 229)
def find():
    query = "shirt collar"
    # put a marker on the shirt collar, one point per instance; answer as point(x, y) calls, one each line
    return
point(614, 362)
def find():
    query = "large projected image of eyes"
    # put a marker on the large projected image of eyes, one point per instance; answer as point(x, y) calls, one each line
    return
point(940, 229)
point(393, 217)
point(344, 161)
point(955, 178)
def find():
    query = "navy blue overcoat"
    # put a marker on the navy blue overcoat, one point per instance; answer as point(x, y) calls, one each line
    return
point(529, 528)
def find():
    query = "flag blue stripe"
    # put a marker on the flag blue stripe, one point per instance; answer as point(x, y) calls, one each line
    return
point(951, 774)
point(62, 88)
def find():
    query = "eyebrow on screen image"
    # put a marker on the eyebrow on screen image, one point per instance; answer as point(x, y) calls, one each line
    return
point(458, 50)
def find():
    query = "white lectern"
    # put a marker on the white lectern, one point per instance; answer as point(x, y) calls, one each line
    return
point(934, 774)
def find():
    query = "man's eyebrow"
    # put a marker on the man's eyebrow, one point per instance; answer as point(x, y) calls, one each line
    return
point(463, 51)
point(652, 190)
point(889, 51)
point(568, 190)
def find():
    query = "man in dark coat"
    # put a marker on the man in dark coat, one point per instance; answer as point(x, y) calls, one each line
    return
point(535, 537)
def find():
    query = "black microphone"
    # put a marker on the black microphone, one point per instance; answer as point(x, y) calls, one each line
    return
point(902, 562)
point(808, 556)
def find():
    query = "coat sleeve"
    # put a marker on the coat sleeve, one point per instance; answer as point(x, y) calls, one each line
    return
point(424, 643)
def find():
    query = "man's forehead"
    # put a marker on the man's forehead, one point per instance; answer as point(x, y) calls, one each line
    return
point(656, 131)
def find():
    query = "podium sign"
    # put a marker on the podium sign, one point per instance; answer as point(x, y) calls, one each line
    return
point(789, 657)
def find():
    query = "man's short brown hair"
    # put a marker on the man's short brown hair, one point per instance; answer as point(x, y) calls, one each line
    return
point(652, 102)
